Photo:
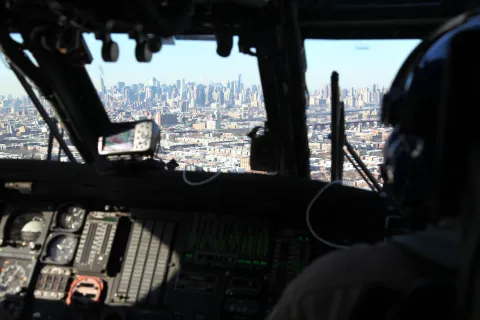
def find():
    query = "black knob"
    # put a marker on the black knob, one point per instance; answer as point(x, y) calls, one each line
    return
point(143, 52)
point(110, 51)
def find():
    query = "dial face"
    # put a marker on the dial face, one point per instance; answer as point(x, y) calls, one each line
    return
point(71, 218)
point(26, 227)
point(13, 278)
point(61, 248)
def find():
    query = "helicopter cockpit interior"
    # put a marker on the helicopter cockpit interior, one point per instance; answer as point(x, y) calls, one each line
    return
point(118, 232)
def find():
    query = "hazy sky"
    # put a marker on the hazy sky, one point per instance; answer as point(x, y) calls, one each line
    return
point(359, 63)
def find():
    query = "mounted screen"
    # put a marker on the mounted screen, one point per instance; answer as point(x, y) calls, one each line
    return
point(120, 142)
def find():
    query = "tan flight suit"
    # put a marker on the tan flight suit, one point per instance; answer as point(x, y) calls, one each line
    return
point(330, 286)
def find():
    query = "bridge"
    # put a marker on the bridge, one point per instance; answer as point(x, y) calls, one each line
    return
point(348, 124)
point(327, 113)
point(316, 126)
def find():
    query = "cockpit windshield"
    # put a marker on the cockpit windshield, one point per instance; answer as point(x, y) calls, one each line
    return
point(205, 104)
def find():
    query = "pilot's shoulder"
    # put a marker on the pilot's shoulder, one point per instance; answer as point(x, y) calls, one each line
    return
point(361, 264)
point(329, 287)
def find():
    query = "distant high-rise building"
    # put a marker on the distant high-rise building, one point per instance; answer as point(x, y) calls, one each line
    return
point(184, 106)
point(158, 119)
point(127, 94)
point(218, 120)
point(102, 86)
point(168, 119)
point(120, 86)
point(209, 93)
point(239, 82)
point(148, 93)
point(201, 98)
point(326, 92)
point(154, 82)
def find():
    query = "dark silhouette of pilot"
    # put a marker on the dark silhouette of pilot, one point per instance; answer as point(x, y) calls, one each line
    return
point(331, 286)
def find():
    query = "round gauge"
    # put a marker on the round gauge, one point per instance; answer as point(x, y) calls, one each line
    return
point(70, 218)
point(26, 227)
point(61, 248)
point(13, 278)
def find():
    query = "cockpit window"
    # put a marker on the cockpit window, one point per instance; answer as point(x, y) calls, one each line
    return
point(205, 104)
point(23, 132)
point(366, 70)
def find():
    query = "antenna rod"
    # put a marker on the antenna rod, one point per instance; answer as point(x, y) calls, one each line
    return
point(338, 130)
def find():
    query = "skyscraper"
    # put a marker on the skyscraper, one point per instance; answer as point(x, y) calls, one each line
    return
point(102, 86)
point(239, 85)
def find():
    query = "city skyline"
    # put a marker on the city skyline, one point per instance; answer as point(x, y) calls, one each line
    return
point(109, 86)
point(173, 83)
point(206, 127)
point(375, 62)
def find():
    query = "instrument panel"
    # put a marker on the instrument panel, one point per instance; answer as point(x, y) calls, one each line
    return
point(68, 218)
point(14, 276)
point(71, 261)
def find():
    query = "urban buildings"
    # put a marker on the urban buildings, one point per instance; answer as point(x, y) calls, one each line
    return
point(205, 125)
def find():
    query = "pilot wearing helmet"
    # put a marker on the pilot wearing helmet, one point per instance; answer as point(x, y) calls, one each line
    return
point(331, 286)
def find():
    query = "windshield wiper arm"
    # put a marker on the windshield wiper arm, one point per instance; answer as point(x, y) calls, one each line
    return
point(362, 166)
point(60, 149)
point(53, 128)
point(50, 146)
point(360, 172)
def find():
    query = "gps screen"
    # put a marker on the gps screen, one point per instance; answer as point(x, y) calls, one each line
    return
point(120, 142)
